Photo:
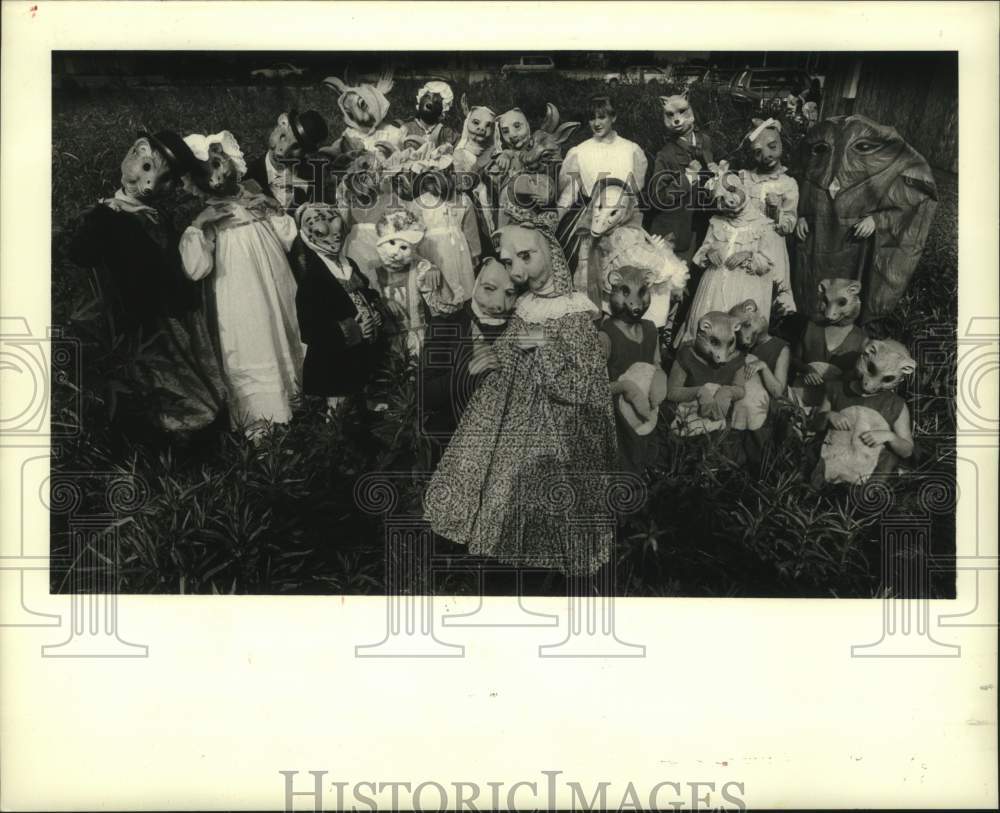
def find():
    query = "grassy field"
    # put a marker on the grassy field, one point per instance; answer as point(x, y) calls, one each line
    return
point(226, 517)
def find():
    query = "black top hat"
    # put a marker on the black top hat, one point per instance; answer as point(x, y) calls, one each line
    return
point(177, 153)
point(309, 128)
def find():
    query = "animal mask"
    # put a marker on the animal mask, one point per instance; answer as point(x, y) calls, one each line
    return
point(221, 162)
point(753, 324)
point(399, 231)
point(321, 228)
point(613, 205)
point(727, 188)
point(546, 143)
point(480, 129)
point(882, 365)
point(765, 143)
point(282, 142)
point(838, 301)
point(715, 341)
point(146, 174)
point(852, 168)
point(363, 106)
point(434, 100)
point(630, 293)
point(678, 116)
point(515, 132)
point(495, 293)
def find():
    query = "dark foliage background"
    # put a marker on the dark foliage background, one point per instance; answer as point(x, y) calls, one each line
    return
point(223, 516)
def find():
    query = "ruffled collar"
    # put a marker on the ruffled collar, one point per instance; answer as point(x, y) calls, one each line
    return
point(537, 309)
point(777, 172)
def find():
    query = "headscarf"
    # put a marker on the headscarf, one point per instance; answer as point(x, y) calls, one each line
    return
point(303, 233)
point(374, 96)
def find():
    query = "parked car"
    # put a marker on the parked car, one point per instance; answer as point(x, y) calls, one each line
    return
point(637, 75)
point(688, 73)
point(279, 70)
point(767, 88)
point(527, 64)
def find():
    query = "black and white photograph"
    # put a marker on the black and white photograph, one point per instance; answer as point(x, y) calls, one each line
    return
point(663, 323)
point(499, 405)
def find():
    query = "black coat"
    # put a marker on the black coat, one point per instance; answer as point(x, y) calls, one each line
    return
point(338, 360)
point(445, 385)
point(142, 264)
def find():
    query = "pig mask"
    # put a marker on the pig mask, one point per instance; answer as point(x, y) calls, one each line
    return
point(515, 132)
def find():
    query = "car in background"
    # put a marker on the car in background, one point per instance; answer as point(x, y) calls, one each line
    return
point(638, 75)
point(767, 89)
point(526, 65)
point(280, 70)
point(686, 74)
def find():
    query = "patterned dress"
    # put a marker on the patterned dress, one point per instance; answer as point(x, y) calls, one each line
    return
point(525, 477)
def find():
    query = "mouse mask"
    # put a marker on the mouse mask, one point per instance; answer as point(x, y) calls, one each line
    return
point(753, 324)
point(715, 341)
point(515, 132)
point(630, 293)
point(221, 164)
point(882, 365)
point(613, 206)
point(728, 192)
point(434, 100)
point(678, 117)
point(364, 106)
point(146, 173)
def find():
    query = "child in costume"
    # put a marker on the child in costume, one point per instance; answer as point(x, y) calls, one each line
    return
point(241, 239)
point(776, 194)
point(458, 354)
point(338, 311)
point(412, 288)
point(283, 171)
point(434, 100)
point(541, 423)
point(679, 175)
point(734, 255)
point(365, 109)
point(129, 238)
point(451, 237)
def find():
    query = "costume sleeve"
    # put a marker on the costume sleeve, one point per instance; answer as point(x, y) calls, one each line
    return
point(445, 298)
point(639, 166)
point(197, 251)
point(569, 180)
point(85, 246)
point(789, 214)
point(284, 228)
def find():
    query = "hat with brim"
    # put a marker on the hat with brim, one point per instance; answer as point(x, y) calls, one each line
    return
point(309, 128)
point(172, 146)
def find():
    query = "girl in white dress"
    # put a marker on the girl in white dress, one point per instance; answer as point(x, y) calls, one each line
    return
point(241, 238)
point(605, 155)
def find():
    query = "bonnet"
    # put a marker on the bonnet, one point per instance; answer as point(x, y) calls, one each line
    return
point(443, 89)
point(201, 144)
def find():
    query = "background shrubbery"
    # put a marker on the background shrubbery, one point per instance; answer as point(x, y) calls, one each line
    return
point(223, 516)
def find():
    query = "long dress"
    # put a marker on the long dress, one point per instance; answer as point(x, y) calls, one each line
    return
point(722, 288)
point(529, 464)
point(783, 211)
point(451, 241)
point(255, 304)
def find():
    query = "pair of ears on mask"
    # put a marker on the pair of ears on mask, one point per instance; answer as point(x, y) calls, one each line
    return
point(889, 348)
point(852, 287)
